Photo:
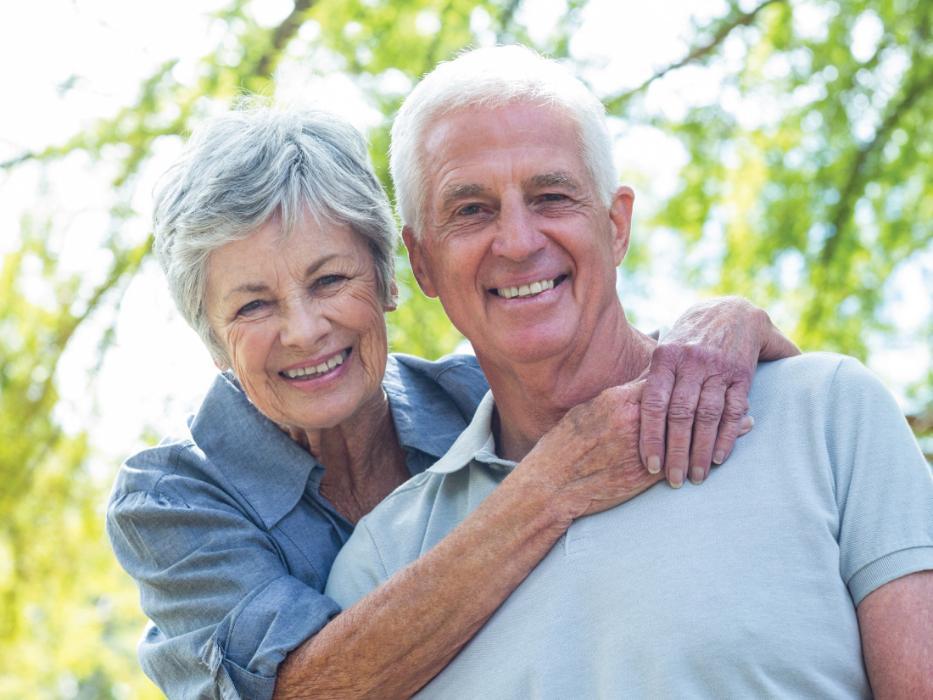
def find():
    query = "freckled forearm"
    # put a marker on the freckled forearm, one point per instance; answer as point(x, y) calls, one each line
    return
point(396, 639)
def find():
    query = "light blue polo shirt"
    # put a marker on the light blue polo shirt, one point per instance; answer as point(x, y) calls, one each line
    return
point(745, 587)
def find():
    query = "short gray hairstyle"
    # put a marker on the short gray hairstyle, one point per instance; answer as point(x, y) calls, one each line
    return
point(243, 169)
point(491, 78)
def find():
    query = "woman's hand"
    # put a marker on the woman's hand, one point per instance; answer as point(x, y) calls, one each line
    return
point(696, 393)
point(589, 461)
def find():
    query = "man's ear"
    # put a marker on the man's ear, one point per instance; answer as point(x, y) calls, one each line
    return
point(620, 214)
point(416, 258)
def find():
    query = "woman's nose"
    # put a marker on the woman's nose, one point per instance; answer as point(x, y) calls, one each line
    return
point(304, 325)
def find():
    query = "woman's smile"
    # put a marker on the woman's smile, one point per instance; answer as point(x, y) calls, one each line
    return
point(314, 370)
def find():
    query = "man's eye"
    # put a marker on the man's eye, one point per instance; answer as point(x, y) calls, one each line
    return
point(553, 197)
point(251, 307)
point(469, 210)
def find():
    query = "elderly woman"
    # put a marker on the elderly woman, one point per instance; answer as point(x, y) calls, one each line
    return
point(278, 245)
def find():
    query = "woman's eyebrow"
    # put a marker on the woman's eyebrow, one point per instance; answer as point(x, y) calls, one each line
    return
point(246, 288)
point(260, 288)
point(318, 264)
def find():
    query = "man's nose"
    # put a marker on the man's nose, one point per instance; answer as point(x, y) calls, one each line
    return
point(518, 236)
point(303, 324)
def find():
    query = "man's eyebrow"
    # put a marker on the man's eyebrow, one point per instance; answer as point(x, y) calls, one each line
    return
point(456, 192)
point(558, 178)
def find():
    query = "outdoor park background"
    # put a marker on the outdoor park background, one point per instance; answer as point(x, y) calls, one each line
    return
point(780, 149)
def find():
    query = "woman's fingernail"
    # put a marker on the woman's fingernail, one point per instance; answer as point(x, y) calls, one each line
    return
point(654, 464)
point(676, 478)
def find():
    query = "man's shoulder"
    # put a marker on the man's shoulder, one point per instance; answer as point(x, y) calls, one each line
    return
point(805, 365)
point(811, 372)
point(404, 514)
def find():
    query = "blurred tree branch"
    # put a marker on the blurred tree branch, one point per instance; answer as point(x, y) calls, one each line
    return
point(918, 84)
point(720, 32)
point(283, 34)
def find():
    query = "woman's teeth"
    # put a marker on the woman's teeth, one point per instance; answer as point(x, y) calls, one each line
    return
point(317, 369)
point(526, 290)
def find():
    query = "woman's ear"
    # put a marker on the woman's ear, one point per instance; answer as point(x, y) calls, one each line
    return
point(392, 304)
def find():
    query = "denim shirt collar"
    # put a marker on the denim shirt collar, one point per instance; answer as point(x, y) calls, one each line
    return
point(272, 472)
point(426, 418)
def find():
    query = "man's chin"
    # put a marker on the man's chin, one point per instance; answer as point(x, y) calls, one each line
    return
point(529, 348)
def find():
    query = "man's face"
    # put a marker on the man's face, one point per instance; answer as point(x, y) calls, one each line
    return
point(517, 242)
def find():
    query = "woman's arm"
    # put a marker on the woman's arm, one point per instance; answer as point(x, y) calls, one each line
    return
point(403, 633)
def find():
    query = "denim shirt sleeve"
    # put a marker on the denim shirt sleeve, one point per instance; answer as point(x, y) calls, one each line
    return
point(225, 610)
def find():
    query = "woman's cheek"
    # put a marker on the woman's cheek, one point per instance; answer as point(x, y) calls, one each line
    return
point(371, 324)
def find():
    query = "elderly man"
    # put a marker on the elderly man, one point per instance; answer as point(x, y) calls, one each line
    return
point(814, 549)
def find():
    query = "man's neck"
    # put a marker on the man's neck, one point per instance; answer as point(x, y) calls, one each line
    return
point(531, 398)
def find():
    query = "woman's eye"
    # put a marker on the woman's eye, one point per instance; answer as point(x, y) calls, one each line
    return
point(250, 308)
point(328, 281)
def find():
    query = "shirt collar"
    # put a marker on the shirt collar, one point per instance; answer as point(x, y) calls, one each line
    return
point(268, 468)
point(425, 416)
point(476, 443)
point(271, 471)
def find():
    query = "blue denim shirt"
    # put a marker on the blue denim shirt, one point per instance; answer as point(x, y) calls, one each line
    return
point(230, 540)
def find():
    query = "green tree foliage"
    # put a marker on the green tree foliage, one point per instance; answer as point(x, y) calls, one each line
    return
point(818, 200)
point(812, 203)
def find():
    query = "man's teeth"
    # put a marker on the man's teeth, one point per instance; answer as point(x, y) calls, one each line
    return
point(526, 290)
point(317, 369)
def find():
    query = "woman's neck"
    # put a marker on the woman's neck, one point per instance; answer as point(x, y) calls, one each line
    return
point(362, 458)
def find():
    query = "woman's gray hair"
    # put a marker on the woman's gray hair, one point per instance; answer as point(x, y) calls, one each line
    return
point(249, 166)
point(490, 78)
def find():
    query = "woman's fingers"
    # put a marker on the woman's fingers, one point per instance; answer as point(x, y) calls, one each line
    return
point(706, 426)
point(655, 400)
point(734, 421)
point(681, 416)
point(693, 410)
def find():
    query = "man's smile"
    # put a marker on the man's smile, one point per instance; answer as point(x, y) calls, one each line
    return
point(528, 290)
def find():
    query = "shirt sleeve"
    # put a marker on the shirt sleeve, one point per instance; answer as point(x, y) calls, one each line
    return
point(358, 568)
point(225, 611)
point(884, 486)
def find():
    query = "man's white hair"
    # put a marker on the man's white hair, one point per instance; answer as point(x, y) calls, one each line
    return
point(491, 78)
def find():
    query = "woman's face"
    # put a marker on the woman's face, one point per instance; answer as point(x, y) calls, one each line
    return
point(302, 322)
